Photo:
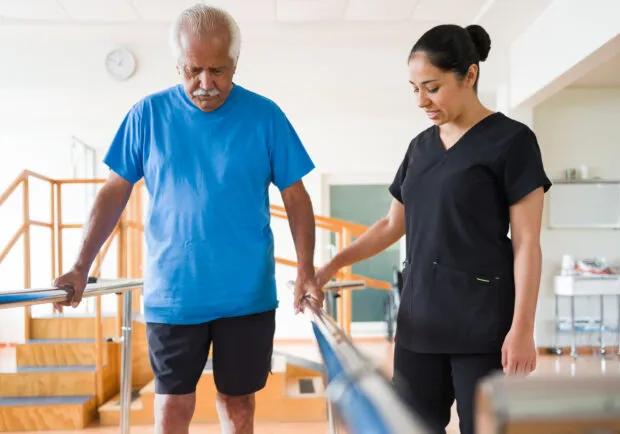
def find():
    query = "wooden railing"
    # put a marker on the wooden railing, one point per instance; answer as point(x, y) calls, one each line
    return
point(129, 234)
point(23, 180)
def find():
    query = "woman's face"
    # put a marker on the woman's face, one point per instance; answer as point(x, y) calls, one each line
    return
point(442, 95)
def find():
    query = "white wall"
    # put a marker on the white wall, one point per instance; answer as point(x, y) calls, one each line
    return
point(575, 127)
point(567, 54)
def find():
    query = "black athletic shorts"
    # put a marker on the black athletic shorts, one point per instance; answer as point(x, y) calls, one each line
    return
point(242, 350)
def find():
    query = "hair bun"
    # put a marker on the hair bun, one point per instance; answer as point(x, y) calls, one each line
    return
point(481, 39)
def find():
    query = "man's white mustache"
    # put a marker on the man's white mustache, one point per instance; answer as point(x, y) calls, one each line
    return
point(204, 92)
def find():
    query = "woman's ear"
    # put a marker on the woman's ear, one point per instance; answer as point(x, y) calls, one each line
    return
point(472, 76)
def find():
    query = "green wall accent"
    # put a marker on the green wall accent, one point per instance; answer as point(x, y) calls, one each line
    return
point(365, 204)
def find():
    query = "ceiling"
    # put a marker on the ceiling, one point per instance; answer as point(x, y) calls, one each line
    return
point(605, 75)
point(504, 14)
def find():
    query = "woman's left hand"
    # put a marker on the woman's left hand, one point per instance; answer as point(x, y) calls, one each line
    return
point(519, 353)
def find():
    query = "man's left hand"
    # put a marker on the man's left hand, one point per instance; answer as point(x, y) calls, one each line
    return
point(307, 288)
point(519, 352)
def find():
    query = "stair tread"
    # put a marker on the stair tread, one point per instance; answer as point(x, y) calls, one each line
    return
point(74, 315)
point(58, 368)
point(61, 341)
point(12, 401)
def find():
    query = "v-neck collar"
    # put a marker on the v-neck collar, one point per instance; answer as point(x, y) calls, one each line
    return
point(471, 130)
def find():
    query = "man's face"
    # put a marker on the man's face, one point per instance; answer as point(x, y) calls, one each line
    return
point(207, 69)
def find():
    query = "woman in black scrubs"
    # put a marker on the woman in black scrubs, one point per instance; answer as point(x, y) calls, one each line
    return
point(470, 289)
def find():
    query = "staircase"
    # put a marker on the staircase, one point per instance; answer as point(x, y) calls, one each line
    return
point(53, 383)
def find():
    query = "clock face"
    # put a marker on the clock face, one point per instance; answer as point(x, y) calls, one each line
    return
point(120, 63)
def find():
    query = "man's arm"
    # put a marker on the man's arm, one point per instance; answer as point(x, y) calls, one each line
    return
point(107, 209)
point(301, 221)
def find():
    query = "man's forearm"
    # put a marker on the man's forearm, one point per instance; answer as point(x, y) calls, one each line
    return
point(301, 221)
point(527, 269)
point(108, 207)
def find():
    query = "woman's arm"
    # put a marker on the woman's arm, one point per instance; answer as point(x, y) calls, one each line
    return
point(525, 221)
point(377, 238)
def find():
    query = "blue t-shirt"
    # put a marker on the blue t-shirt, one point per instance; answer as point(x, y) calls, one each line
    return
point(210, 249)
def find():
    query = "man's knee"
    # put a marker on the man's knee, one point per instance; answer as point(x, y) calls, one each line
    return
point(243, 404)
point(174, 412)
point(236, 413)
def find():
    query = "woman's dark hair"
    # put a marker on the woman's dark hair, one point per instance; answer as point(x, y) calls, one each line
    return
point(453, 48)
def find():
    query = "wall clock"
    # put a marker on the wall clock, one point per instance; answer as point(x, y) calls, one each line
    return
point(120, 63)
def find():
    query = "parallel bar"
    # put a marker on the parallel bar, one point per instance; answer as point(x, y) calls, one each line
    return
point(99, 351)
point(364, 398)
point(126, 364)
point(29, 297)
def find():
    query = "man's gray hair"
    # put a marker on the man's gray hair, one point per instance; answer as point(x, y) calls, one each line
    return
point(200, 20)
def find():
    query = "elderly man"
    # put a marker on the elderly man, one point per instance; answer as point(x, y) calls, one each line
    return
point(208, 150)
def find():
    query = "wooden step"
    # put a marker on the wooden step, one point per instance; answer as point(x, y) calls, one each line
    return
point(305, 400)
point(48, 381)
point(70, 327)
point(282, 400)
point(57, 352)
point(46, 413)
point(139, 414)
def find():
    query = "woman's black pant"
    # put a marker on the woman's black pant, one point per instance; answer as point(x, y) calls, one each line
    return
point(429, 384)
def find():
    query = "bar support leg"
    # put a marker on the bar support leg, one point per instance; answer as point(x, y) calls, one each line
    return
point(126, 364)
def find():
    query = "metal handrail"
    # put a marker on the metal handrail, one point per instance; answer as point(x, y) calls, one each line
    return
point(29, 297)
point(360, 392)
point(364, 398)
point(33, 296)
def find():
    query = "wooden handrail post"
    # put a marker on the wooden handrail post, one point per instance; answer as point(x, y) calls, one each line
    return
point(347, 297)
point(59, 216)
point(53, 229)
point(27, 263)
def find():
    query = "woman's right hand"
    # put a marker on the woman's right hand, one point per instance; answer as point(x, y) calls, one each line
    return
point(324, 274)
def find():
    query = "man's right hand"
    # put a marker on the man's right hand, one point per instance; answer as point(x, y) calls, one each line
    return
point(75, 281)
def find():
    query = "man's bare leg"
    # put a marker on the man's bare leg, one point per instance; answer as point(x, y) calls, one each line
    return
point(173, 413)
point(236, 413)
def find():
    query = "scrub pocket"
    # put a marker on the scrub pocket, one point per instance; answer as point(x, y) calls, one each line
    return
point(469, 309)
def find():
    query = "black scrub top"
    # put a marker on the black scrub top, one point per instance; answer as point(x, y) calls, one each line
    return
point(458, 294)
